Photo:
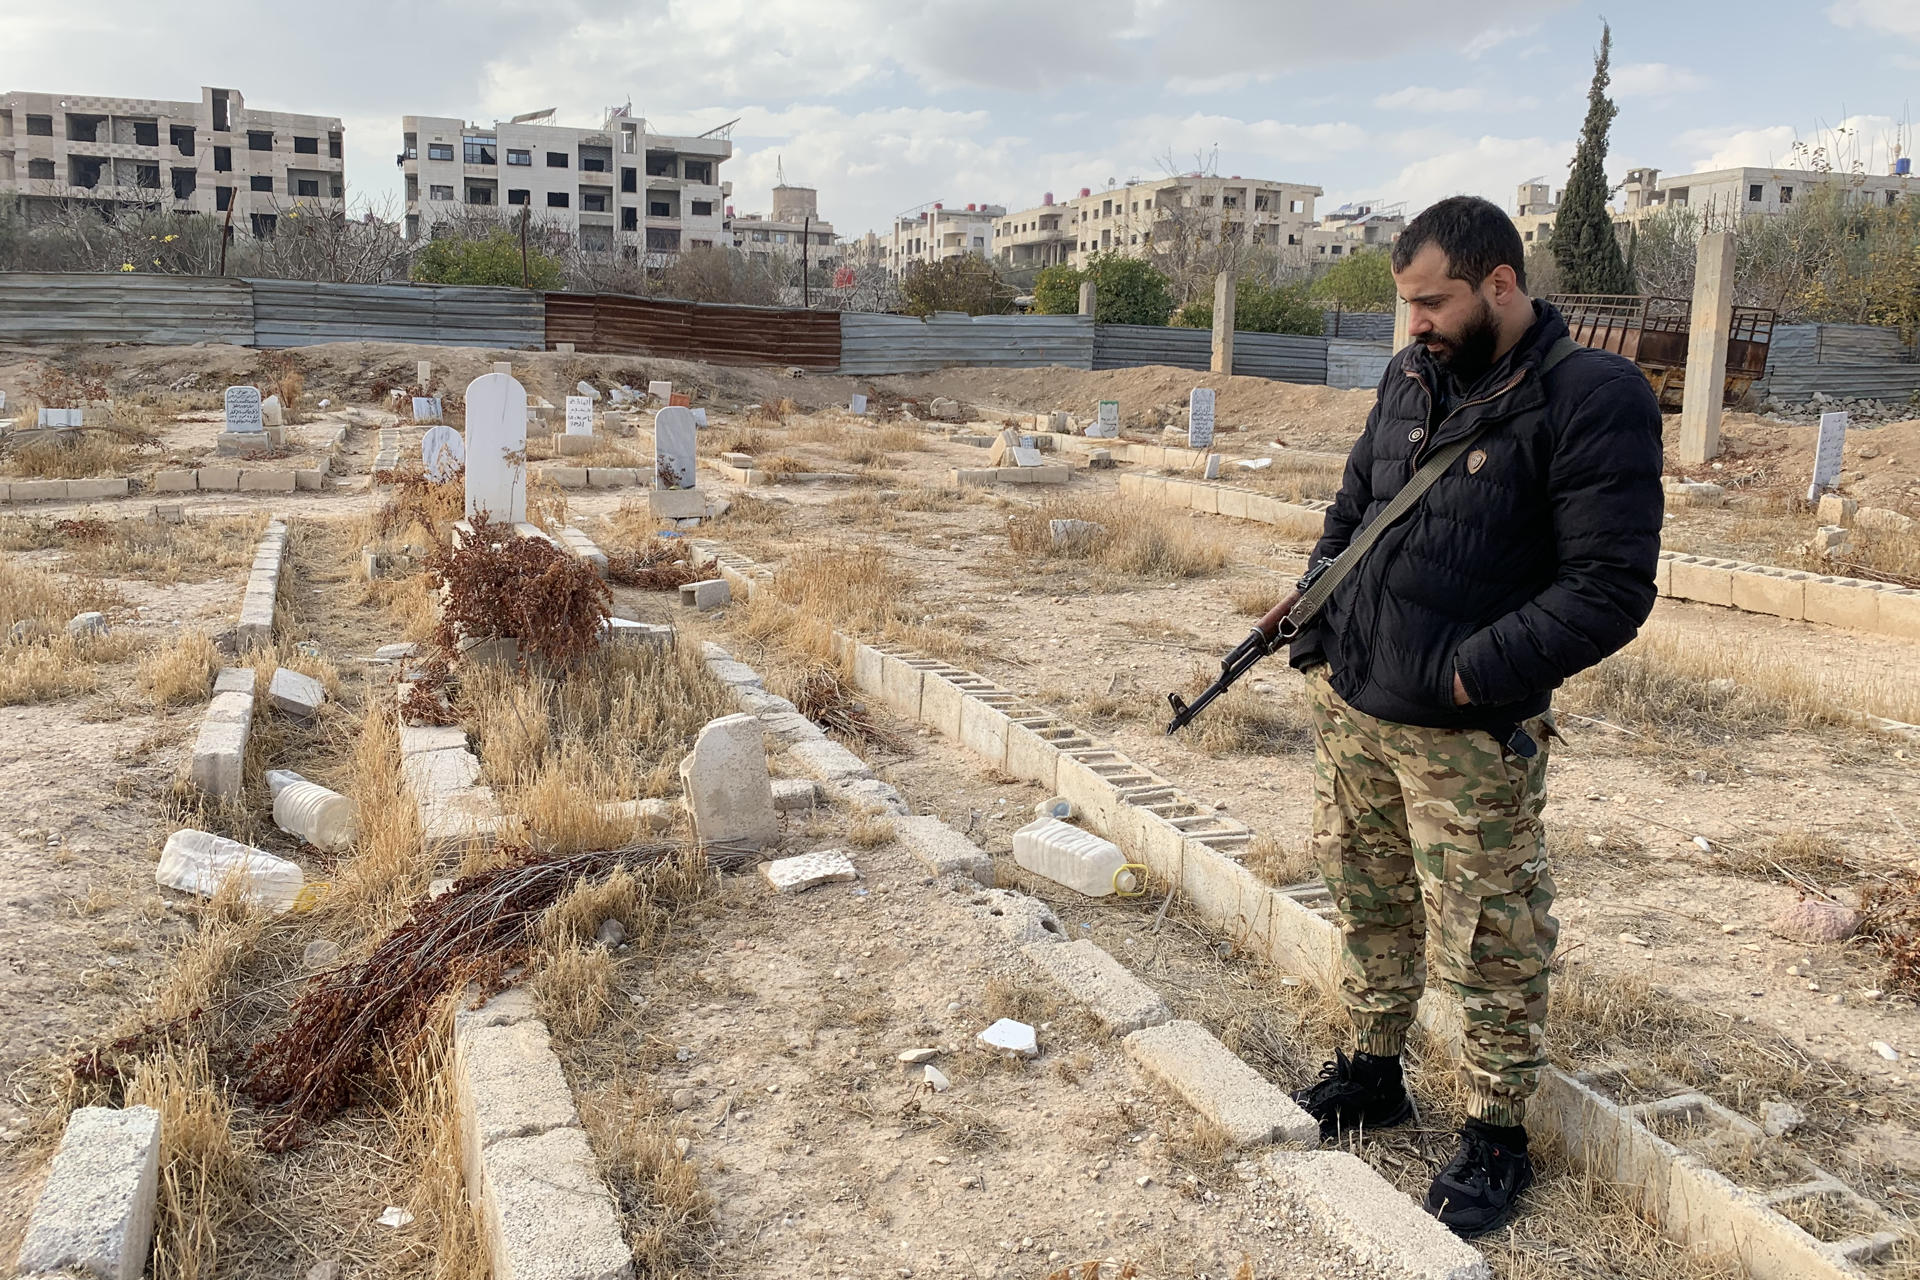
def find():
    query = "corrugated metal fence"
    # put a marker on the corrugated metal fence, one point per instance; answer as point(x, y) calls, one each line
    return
point(875, 344)
point(1361, 326)
point(300, 313)
point(1846, 361)
point(717, 333)
point(1285, 356)
point(43, 309)
point(1356, 364)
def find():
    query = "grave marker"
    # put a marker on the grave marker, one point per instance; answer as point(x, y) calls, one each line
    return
point(857, 405)
point(682, 398)
point(699, 417)
point(586, 389)
point(1827, 452)
point(660, 390)
point(443, 451)
point(427, 408)
point(425, 371)
point(3, 400)
point(579, 416)
point(497, 448)
point(674, 444)
point(1200, 418)
point(1109, 418)
point(243, 410)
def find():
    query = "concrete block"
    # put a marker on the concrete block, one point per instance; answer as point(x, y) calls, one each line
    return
point(940, 703)
point(1838, 603)
point(900, 684)
point(300, 696)
point(944, 850)
point(1663, 576)
point(711, 594)
point(1231, 501)
point(1781, 595)
point(1388, 1233)
point(727, 790)
point(39, 490)
point(419, 739)
point(235, 680)
point(567, 477)
point(807, 870)
point(1031, 756)
point(1025, 921)
point(1834, 509)
point(220, 752)
point(266, 481)
point(867, 661)
point(1251, 1110)
point(1899, 613)
point(1706, 581)
point(611, 477)
point(217, 478)
point(792, 795)
point(647, 817)
point(95, 1215)
point(546, 1215)
point(438, 773)
point(787, 727)
point(676, 504)
point(983, 731)
point(1203, 497)
point(571, 446)
point(507, 1084)
point(827, 760)
point(91, 490)
point(626, 631)
point(1121, 1001)
point(310, 479)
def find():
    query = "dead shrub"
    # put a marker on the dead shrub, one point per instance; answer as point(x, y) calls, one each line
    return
point(413, 499)
point(180, 673)
point(87, 452)
point(658, 564)
point(782, 464)
point(901, 440)
point(204, 1170)
point(525, 589)
point(870, 831)
point(574, 985)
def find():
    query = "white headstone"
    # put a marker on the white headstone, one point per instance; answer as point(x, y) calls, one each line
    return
point(272, 413)
point(443, 451)
point(3, 400)
point(497, 448)
point(425, 371)
point(1200, 418)
point(858, 405)
point(1025, 457)
point(1110, 414)
point(726, 785)
point(662, 390)
point(700, 417)
point(1826, 454)
point(243, 409)
point(427, 408)
point(586, 389)
point(62, 417)
point(1213, 466)
point(674, 445)
point(579, 416)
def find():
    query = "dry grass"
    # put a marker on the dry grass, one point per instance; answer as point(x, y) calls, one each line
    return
point(870, 831)
point(195, 551)
point(1253, 597)
point(574, 985)
point(387, 868)
point(1149, 543)
point(1242, 722)
point(226, 934)
point(782, 464)
point(1292, 478)
point(43, 662)
point(821, 589)
point(671, 1219)
point(901, 440)
point(204, 1169)
point(84, 455)
point(179, 673)
point(1279, 865)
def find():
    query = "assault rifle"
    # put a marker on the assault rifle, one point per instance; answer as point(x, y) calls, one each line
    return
point(1249, 651)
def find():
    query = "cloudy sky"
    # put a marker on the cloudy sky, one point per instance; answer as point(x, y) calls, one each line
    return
point(887, 104)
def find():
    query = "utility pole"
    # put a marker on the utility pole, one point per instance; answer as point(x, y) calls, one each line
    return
point(806, 284)
point(526, 277)
point(226, 232)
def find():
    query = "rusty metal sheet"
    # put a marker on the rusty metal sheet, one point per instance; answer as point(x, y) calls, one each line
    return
point(672, 329)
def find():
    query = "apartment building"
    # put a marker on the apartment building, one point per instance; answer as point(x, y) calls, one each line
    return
point(1720, 195)
point(209, 156)
point(933, 233)
point(619, 188)
point(793, 226)
point(1355, 228)
point(1131, 218)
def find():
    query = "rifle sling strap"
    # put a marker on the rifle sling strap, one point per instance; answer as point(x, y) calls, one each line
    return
point(1316, 595)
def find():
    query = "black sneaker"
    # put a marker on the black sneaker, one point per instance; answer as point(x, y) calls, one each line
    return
point(1361, 1092)
point(1479, 1190)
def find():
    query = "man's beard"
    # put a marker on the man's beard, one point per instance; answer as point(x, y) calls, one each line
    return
point(1469, 353)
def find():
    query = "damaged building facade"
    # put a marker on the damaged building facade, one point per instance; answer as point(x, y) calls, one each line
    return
point(208, 156)
point(620, 188)
point(1129, 218)
point(793, 226)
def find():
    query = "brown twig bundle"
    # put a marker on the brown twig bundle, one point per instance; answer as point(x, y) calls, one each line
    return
point(658, 565)
point(524, 589)
point(820, 696)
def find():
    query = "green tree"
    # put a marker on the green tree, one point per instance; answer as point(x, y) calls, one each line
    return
point(1359, 282)
point(1056, 292)
point(491, 259)
point(965, 283)
point(1127, 290)
point(1583, 239)
point(1257, 308)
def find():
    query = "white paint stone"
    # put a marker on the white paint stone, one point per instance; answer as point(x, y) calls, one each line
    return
point(95, 1216)
point(443, 451)
point(804, 871)
point(497, 449)
point(1026, 457)
point(726, 785)
point(272, 413)
point(1213, 466)
point(675, 442)
point(1011, 1037)
point(243, 410)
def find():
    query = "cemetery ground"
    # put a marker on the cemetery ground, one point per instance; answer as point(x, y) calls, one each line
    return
point(733, 1056)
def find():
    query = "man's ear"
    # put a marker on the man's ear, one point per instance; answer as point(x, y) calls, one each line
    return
point(1505, 283)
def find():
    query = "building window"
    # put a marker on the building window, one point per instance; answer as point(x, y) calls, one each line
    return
point(1528, 237)
point(1293, 239)
point(306, 146)
point(260, 184)
point(592, 164)
point(1297, 206)
point(629, 219)
point(517, 156)
point(703, 208)
point(308, 187)
point(1756, 192)
point(146, 133)
point(1678, 195)
point(339, 188)
point(1786, 195)
point(410, 144)
point(556, 159)
point(1230, 202)
point(263, 224)
point(223, 159)
point(762, 235)
point(333, 146)
point(438, 192)
point(479, 195)
point(259, 140)
point(660, 164)
point(629, 179)
point(1891, 197)
point(556, 199)
point(222, 199)
point(779, 237)
point(517, 195)
point(440, 151)
point(663, 240)
point(700, 171)
point(181, 136)
point(40, 169)
point(700, 244)
point(480, 150)
point(592, 202)
point(39, 126)
point(659, 209)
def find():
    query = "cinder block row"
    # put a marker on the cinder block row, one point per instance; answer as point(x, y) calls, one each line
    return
point(242, 480)
point(581, 547)
point(1085, 971)
point(1387, 1233)
point(63, 490)
point(1795, 594)
point(218, 766)
point(944, 850)
point(95, 1215)
point(593, 477)
point(543, 1208)
point(1299, 519)
point(987, 477)
point(263, 587)
point(1250, 1109)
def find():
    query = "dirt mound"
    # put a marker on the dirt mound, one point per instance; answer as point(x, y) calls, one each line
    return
point(1881, 465)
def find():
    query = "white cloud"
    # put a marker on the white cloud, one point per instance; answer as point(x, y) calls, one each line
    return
point(1856, 140)
point(1486, 166)
point(1423, 99)
point(1896, 17)
point(1654, 80)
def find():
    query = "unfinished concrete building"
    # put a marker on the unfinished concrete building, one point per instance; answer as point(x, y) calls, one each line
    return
point(933, 233)
point(794, 226)
point(1130, 218)
point(1724, 196)
point(209, 156)
point(620, 188)
point(1355, 227)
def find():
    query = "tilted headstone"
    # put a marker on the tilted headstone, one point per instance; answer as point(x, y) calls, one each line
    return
point(579, 416)
point(272, 413)
point(660, 390)
point(1024, 457)
point(243, 409)
point(427, 408)
point(674, 443)
point(443, 452)
point(497, 448)
point(586, 389)
point(700, 417)
point(1200, 418)
point(1827, 453)
point(858, 405)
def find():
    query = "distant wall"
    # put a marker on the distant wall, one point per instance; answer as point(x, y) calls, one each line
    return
point(1846, 361)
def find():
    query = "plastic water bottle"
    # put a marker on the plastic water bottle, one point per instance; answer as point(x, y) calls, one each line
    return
point(200, 862)
point(321, 817)
point(1075, 858)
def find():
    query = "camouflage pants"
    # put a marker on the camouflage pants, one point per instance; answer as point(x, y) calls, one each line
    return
point(1415, 826)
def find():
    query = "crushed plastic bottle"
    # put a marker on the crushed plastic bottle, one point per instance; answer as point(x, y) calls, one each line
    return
point(1076, 858)
point(200, 862)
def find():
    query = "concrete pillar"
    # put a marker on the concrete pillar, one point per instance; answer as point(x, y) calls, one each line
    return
point(1086, 297)
point(1223, 323)
point(1400, 322)
point(1708, 326)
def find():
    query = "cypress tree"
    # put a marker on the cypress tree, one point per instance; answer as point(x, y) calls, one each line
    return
point(1583, 241)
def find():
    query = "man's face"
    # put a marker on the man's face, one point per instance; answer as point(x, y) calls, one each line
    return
point(1452, 320)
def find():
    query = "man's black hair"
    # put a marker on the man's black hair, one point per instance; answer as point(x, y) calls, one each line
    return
point(1475, 234)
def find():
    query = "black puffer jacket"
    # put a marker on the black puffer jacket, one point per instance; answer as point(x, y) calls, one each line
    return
point(1517, 569)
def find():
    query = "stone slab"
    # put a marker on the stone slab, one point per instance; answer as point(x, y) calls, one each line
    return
point(567, 477)
point(1387, 1231)
point(676, 504)
point(1249, 1108)
point(217, 477)
point(220, 757)
point(295, 693)
point(95, 1216)
point(828, 761)
point(944, 850)
point(1777, 594)
point(415, 739)
point(508, 1084)
point(1090, 975)
point(1838, 603)
point(794, 794)
point(90, 490)
point(546, 1215)
point(806, 870)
